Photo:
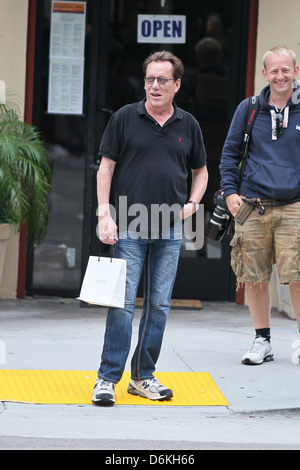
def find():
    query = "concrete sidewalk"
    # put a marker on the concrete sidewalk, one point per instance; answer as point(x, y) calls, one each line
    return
point(52, 333)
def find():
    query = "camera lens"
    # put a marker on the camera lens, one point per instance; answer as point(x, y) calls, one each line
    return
point(219, 216)
point(218, 224)
point(220, 219)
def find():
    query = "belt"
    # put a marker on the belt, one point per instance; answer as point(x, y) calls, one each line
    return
point(260, 204)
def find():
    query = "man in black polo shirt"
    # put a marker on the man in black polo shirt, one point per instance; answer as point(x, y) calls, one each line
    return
point(146, 148)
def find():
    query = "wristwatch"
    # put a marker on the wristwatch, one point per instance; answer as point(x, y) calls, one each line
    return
point(195, 204)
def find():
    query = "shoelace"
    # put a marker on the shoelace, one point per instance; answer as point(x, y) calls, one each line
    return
point(148, 383)
point(156, 383)
point(256, 346)
point(104, 384)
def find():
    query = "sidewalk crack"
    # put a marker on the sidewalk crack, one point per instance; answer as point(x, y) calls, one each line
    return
point(183, 360)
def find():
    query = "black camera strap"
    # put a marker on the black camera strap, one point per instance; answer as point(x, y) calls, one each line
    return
point(222, 222)
point(252, 110)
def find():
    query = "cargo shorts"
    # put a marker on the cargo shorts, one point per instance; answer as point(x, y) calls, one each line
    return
point(264, 240)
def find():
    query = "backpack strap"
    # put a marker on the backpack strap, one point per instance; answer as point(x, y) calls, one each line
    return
point(252, 110)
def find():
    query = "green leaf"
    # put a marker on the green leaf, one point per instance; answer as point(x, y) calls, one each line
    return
point(25, 175)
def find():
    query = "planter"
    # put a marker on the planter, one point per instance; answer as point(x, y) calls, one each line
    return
point(5, 232)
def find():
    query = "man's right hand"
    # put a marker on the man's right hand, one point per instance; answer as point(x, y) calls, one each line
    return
point(233, 202)
point(107, 230)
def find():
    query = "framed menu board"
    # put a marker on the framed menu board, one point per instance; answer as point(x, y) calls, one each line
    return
point(66, 67)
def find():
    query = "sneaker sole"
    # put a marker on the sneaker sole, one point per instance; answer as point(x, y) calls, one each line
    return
point(135, 391)
point(268, 358)
point(104, 400)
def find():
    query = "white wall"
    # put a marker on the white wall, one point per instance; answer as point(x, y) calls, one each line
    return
point(13, 40)
point(278, 24)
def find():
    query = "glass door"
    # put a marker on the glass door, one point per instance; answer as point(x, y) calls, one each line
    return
point(55, 267)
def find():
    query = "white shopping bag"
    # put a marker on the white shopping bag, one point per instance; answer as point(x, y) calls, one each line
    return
point(104, 282)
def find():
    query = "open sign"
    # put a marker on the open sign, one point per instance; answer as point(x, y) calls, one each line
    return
point(169, 29)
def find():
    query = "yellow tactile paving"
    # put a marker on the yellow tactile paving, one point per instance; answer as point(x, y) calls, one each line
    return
point(75, 387)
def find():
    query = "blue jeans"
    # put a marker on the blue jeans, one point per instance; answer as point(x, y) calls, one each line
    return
point(160, 268)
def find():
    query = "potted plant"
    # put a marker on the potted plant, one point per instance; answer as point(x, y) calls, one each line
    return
point(25, 179)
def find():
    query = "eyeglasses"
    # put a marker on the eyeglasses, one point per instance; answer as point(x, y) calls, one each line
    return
point(277, 130)
point(160, 80)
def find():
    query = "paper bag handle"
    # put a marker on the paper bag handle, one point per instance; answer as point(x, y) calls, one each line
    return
point(100, 250)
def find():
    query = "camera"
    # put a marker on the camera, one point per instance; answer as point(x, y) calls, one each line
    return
point(220, 220)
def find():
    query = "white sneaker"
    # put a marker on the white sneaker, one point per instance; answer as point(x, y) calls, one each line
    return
point(150, 388)
point(261, 351)
point(104, 392)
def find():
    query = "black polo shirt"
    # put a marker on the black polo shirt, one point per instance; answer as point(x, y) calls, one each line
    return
point(151, 159)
